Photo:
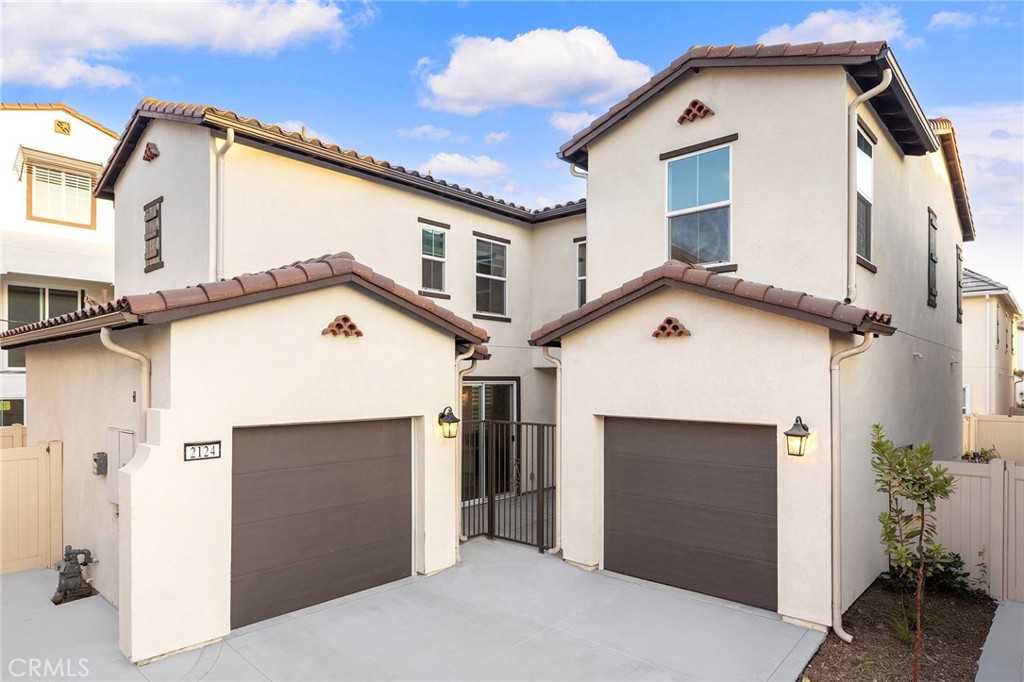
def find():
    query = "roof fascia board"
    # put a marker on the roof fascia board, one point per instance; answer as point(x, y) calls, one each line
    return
point(908, 101)
point(76, 328)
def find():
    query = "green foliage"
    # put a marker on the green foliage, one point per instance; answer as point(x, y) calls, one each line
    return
point(947, 576)
point(903, 623)
point(982, 456)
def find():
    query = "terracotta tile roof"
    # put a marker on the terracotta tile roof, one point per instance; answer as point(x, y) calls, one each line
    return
point(221, 119)
point(56, 106)
point(794, 304)
point(316, 273)
point(864, 61)
point(943, 129)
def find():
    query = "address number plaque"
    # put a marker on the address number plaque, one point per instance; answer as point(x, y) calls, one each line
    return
point(196, 451)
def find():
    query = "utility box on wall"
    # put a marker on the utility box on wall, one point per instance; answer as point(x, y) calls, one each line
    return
point(120, 448)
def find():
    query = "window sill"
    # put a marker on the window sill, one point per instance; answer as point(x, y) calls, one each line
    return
point(719, 268)
point(154, 266)
point(866, 264)
point(493, 318)
point(433, 294)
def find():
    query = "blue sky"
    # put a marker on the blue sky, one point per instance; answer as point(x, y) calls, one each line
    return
point(483, 93)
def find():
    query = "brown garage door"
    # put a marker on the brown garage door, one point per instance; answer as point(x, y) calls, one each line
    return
point(692, 504)
point(318, 511)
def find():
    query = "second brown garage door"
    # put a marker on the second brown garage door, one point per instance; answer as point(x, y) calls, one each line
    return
point(693, 505)
point(318, 511)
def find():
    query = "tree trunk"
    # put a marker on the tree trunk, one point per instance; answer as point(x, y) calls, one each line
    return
point(919, 596)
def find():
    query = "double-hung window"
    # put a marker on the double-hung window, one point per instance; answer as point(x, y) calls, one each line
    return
point(581, 273)
point(865, 195)
point(60, 196)
point(433, 249)
point(699, 198)
point(491, 277)
point(27, 304)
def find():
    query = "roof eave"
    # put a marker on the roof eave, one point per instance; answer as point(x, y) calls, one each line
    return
point(70, 329)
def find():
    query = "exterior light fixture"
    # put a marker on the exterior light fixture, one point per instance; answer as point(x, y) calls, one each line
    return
point(796, 438)
point(449, 423)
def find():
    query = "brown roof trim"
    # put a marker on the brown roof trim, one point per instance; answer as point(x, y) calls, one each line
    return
point(253, 130)
point(896, 107)
point(946, 134)
point(57, 106)
point(793, 304)
point(175, 304)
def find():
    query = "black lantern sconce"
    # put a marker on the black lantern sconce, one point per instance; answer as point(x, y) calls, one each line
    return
point(449, 423)
point(796, 438)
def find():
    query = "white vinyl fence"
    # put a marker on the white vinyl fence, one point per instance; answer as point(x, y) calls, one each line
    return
point(983, 522)
point(1005, 434)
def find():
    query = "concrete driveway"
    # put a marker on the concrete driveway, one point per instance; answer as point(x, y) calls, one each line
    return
point(504, 613)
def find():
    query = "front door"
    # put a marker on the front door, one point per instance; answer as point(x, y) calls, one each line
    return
point(495, 403)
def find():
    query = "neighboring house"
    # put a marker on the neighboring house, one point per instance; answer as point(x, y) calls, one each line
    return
point(56, 239)
point(991, 318)
point(677, 387)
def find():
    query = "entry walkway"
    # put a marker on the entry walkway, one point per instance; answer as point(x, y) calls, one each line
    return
point(1002, 657)
point(504, 613)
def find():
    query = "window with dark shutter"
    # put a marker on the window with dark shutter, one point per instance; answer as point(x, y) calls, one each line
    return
point(959, 283)
point(154, 252)
point(933, 259)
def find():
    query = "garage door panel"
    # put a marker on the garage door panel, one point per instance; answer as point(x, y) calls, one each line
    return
point(747, 488)
point(258, 496)
point(726, 531)
point(265, 594)
point(296, 538)
point(741, 444)
point(269, 448)
point(737, 579)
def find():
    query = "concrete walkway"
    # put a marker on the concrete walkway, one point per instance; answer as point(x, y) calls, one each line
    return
point(1002, 658)
point(504, 613)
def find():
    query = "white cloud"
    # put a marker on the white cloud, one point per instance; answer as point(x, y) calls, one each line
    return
point(989, 137)
point(867, 23)
point(63, 43)
point(425, 132)
point(571, 122)
point(492, 139)
point(297, 126)
point(952, 20)
point(444, 165)
point(544, 68)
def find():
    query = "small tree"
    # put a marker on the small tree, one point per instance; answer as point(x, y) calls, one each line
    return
point(914, 484)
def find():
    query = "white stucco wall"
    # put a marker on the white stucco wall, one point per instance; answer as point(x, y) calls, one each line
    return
point(268, 363)
point(740, 365)
point(988, 360)
point(78, 390)
point(183, 175)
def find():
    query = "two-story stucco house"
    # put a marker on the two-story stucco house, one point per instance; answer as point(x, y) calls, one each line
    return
point(56, 239)
point(794, 225)
point(991, 317)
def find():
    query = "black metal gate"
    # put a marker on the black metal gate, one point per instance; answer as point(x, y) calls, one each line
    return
point(508, 481)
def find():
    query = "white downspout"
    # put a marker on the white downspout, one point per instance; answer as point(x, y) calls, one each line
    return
point(851, 184)
point(837, 490)
point(990, 360)
point(458, 445)
point(219, 272)
point(576, 172)
point(558, 449)
point(145, 372)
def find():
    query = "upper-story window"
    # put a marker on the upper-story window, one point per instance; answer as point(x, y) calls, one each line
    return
point(933, 259)
point(491, 277)
point(153, 216)
point(60, 196)
point(581, 273)
point(865, 194)
point(699, 198)
point(433, 250)
point(28, 304)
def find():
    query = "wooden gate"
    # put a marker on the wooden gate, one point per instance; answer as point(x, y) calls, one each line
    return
point(30, 510)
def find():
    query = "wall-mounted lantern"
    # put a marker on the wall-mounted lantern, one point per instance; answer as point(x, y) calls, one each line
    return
point(796, 438)
point(449, 423)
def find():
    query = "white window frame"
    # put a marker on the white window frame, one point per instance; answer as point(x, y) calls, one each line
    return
point(504, 303)
point(443, 261)
point(965, 399)
point(46, 309)
point(869, 199)
point(669, 215)
point(581, 280)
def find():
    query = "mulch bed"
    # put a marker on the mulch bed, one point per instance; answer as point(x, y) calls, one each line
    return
point(956, 626)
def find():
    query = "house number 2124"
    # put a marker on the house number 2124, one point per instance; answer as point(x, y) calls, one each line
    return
point(194, 451)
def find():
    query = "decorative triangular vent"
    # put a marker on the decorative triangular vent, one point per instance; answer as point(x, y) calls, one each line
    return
point(342, 326)
point(694, 110)
point(670, 327)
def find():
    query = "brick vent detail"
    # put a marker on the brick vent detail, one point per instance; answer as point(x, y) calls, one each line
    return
point(342, 325)
point(151, 152)
point(670, 327)
point(694, 110)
